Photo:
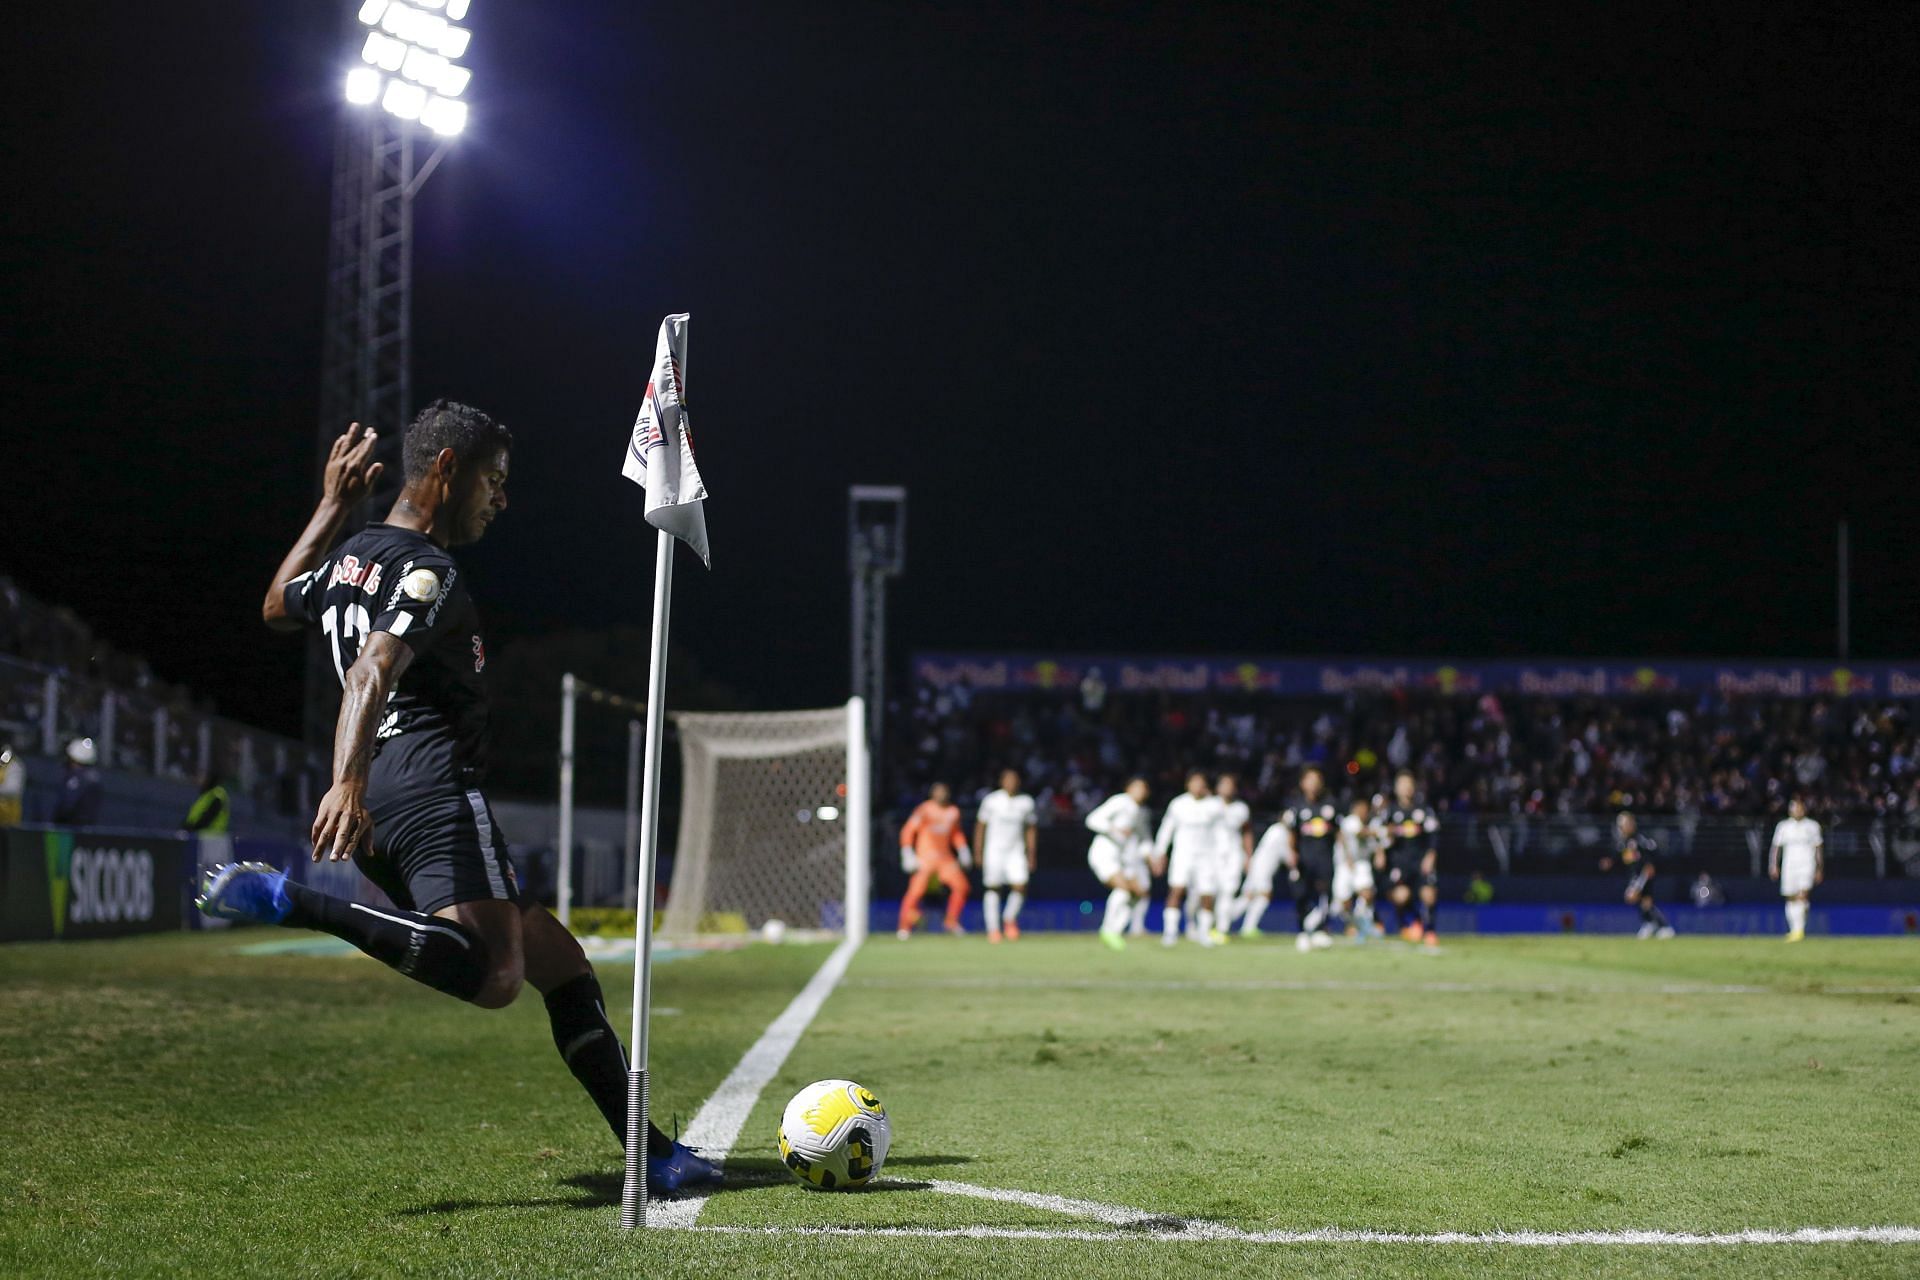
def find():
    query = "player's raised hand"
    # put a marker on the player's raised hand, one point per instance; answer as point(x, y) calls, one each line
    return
point(343, 824)
point(350, 473)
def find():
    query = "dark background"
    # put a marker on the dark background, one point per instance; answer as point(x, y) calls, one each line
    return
point(1312, 328)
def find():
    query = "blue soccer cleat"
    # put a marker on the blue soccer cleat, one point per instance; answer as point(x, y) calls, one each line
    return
point(245, 891)
point(680, 1171)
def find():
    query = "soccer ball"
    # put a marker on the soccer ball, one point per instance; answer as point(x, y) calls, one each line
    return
point(834, 1135)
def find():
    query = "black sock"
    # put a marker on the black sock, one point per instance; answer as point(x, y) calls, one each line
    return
point(1426, 914)
point(1303, 905)
point(1650, 912)
point(442, 954)
point(592, 1050)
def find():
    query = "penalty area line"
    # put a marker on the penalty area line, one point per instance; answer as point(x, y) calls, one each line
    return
point(715, 1127)
point(1212, 1233)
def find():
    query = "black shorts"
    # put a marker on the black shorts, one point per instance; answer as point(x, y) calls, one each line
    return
point(1404, 868)
point(1316, 872)
point(437, 850)
point(1641, 882)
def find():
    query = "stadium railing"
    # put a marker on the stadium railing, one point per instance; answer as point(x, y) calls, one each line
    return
point(141, 735)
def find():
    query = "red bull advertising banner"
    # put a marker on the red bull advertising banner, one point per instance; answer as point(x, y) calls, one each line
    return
point(1316, 677)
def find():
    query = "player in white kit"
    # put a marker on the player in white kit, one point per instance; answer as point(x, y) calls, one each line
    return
point(1191, 829)
point(1118, 857)
point(1003, 831)
point(1256, 895)
point(1798, 861)
point(1235, 851)
point(1353, 853)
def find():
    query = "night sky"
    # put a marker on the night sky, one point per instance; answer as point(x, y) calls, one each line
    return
point(1537, 329)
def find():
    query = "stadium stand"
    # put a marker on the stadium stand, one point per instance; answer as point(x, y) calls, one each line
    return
point(59, 680)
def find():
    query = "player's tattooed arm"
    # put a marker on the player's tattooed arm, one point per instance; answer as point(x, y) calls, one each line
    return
point(343, 824)
point(349, 477)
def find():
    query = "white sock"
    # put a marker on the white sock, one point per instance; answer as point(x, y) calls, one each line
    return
point(1225, 911)
point(1137, 922)
point(1256, 907)
point(1015, 900)
point(1170, 921)
point(1119, 907)
point(1796, 916)
point(1203, 919)
point(992, 907)
point(1316, 918)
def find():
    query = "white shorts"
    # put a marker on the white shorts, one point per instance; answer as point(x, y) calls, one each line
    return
point(1107, 861)
point(1226, 872)
point(1196, 872)
point(1350, 878)
point(1796, 876)
point(1000, 870)
point(1262, 870)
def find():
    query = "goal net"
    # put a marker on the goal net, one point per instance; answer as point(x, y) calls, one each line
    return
point(772, 823)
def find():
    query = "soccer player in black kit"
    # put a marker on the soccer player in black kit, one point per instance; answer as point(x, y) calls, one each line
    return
point(410, 755)
point(1410, 859)
point(1634, 851)
point(1313, 824)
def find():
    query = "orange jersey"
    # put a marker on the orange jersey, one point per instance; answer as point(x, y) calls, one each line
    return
point(934, 830)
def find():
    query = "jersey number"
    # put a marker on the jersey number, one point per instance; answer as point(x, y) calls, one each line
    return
point(340, 626)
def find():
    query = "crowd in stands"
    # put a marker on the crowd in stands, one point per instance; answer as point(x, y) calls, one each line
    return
point(1474, 753)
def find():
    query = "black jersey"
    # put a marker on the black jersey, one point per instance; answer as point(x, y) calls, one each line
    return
point(433, 734)
point(1634, 852)
point(1411, 828)
point(1315, 825)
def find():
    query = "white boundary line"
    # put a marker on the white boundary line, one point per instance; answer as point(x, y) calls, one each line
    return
point(1338, 984)
point(717, 1124)
point(1336, 1235)
point(1123, 1224)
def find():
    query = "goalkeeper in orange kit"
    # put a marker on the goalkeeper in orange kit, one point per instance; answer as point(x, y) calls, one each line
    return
point(928, 844)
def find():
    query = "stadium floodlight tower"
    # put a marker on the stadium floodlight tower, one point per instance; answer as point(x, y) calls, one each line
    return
point(407, 86)
point(877, 550)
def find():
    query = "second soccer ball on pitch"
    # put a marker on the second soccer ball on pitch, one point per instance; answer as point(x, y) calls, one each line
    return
point(834, 1135)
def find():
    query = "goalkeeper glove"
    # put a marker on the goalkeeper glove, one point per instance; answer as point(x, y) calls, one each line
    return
point(909, 861)
point(966, 858)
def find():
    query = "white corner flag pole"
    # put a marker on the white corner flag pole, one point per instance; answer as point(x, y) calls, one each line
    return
point(659, 459)
point(633, 1197)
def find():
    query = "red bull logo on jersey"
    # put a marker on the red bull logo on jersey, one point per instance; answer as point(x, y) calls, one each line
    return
point(355, 574)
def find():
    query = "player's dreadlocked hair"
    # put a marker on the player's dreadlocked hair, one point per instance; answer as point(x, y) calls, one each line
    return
point(448, 424)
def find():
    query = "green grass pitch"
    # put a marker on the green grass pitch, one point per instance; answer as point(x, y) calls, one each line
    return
point(175, 1105)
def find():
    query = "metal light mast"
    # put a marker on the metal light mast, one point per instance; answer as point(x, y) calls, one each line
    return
point(877, 550)
point(404, 94)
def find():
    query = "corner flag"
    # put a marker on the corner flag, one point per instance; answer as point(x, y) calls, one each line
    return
point(660, 455)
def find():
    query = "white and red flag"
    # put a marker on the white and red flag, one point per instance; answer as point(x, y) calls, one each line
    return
point(660, 455)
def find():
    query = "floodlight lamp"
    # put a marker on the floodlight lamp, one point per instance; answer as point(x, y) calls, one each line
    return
point(444, 116)
point(404, 100)
point(430, 4)
point(423, 67)
point(453, 41)
point(456, 10)
point(453, 81)
point(363, 86)
point(384, 51)
point(370, 12)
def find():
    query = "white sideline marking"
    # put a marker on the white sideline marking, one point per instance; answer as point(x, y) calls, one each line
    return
point(720, 1118)
point(1133, 1224)
point(1338, 984)
point(1210, 1233)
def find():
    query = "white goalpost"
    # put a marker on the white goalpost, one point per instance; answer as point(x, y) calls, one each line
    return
point(774, 818)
